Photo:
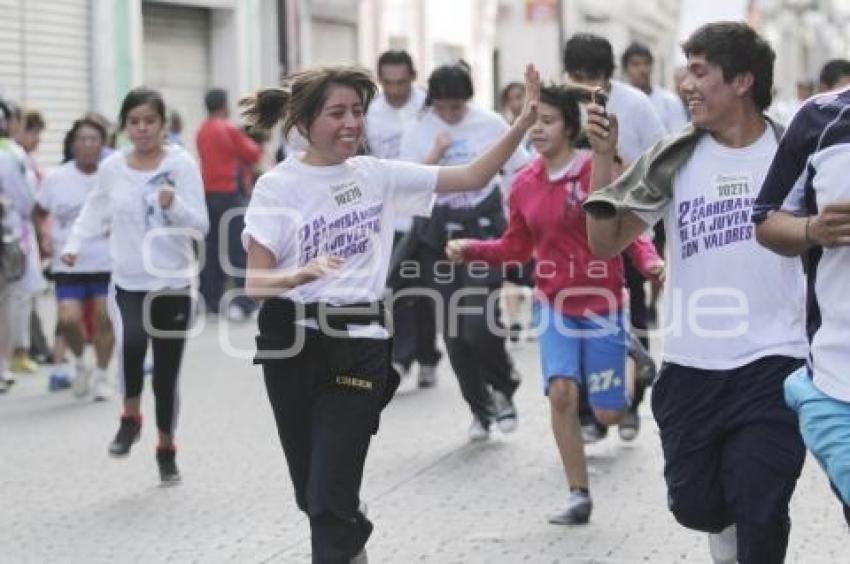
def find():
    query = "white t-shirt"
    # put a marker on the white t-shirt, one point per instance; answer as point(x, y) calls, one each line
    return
point(385, 125)
point(62, 195)
point(808, 173)
point(299, 212)
point(18, 198)
point(728, 301)
point(473, 135)
point(639, 125)
point(669, 108)
point(150, 247)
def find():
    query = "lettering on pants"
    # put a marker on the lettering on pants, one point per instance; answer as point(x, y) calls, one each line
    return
point(354, 382)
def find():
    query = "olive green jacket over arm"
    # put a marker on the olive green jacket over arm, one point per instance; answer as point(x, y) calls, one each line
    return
point(647, 185)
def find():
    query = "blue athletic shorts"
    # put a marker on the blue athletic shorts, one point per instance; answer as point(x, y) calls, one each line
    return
point(825, 426)
point(589, 350)
point(81, 286)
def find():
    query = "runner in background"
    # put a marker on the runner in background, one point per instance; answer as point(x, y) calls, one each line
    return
point(579, 300)
point(396, 108)
point(518, 280)
point(58, 204)
point(454, 131)
point(150, 192)
point(589, 61)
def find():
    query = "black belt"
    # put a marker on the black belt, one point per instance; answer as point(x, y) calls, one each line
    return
point(277, 315)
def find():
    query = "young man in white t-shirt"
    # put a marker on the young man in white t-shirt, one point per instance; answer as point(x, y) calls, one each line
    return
point(398, 106)
point(803, 209)
point(453, 132)
point(733, 325)
point(636, 62)
point(589, 61)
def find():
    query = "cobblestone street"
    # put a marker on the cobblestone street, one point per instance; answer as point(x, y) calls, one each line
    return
point(432, 495)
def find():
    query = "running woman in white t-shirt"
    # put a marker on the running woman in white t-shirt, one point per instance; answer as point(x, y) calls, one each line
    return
point(151, 198)
point(318, 232)
point(733, 327)
point(58, 204)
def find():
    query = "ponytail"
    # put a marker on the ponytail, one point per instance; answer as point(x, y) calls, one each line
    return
point(265, 108)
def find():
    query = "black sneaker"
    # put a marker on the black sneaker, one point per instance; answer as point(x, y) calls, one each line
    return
point(646, 369)
point(128, 433)
point(577, 512)
point(515, 332)
point(168, 472)
point(593, 432)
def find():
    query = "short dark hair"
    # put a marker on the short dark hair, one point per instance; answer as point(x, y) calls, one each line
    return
point(396, 57)
point(737, 49)
point(450, 82)
point(833, 71)
point(566, 100)
point(6, 114)
point(635, 49)
point(590, 54)
point(215, 99)
point(33, 120)
point(71, 136)
point(139, 97)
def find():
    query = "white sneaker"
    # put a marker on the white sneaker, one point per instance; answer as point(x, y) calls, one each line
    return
point(236, 313)
point(723, 546)
point(101, 387)
point(80, 385)
point(477, 430)
point(506, 416)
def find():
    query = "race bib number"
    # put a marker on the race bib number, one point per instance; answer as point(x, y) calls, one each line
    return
point(346, 194)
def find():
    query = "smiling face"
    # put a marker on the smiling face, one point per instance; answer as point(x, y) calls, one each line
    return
point(710, 99)
point(549, 135)
point(337, 131)
point(145, 127)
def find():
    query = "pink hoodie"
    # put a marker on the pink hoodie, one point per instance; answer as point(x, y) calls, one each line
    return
point(548, 223)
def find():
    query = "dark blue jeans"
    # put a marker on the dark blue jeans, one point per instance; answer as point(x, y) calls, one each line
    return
point(213, 276)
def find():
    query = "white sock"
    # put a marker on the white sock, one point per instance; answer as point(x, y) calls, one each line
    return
point(723, 546)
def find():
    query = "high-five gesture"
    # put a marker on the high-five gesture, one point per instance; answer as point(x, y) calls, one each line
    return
point(528, 115)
